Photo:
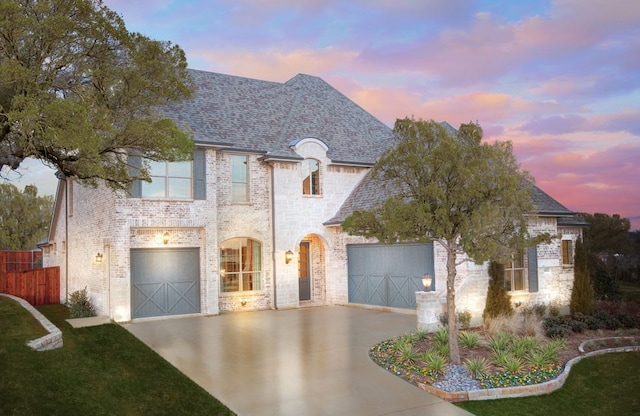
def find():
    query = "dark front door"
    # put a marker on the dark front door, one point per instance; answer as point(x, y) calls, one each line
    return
point(304, 271)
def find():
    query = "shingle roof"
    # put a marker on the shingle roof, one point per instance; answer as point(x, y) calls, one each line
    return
point(369, 194)
point(265, 117)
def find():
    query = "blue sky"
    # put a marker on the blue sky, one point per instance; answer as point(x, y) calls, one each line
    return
point(560, 79)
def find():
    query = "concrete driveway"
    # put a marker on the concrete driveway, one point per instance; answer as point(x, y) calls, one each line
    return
point(310, 361)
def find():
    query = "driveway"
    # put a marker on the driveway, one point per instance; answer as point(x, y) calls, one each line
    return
point(310, 361)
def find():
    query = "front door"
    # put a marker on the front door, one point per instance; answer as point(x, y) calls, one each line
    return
point(304, 271)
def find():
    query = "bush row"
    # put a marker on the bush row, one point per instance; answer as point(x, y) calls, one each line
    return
point(607, 316)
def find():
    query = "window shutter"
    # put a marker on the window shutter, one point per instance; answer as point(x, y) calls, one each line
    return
point(532, 256)
point(135, 163)
point(199, 175)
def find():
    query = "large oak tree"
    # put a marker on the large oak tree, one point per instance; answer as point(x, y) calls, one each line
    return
point(447, 186)
point(79, 91)
point(24, 217)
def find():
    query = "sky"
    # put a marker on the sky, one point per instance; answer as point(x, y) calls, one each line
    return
point(560, 79)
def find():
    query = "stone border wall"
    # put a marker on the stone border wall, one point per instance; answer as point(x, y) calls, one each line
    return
point(48, 342)
point(522, 391)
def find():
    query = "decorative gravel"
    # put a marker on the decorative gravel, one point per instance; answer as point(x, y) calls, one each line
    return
point(456, 378)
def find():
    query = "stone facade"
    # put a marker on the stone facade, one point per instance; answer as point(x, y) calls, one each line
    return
point(276, 215)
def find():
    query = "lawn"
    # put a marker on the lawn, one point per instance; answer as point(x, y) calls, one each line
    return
point(630, 291)
point(602, 385)
point(101, 370)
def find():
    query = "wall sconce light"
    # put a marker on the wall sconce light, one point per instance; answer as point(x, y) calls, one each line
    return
point(426, 282)
point(288, 256)
point(98, 258)
point(165, 238)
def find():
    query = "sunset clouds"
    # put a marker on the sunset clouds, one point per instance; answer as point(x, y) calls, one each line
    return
point(561, 79)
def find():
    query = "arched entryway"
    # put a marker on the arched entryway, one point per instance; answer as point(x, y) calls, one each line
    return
point(311, 270)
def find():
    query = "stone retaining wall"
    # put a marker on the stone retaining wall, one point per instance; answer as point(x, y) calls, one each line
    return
point(48, 342)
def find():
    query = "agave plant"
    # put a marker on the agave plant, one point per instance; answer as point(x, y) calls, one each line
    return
point(434, 361)
point(476, 366)
point(511, 364)
point(441, 336)
point(499, 342)
point(521, 346)
point(408, 354)
point(538, 359)
point(469, 339)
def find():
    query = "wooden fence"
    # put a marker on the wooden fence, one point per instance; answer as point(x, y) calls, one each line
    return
point(19, 278)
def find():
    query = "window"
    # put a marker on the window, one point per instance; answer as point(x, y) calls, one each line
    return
point(171, 179)
point(168, 180)
point(567, 252)
point(311, 177)
point(514, 273)
point(239, 178)
point(240, 265)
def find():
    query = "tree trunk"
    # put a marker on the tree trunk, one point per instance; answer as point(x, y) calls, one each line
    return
point(454, 351)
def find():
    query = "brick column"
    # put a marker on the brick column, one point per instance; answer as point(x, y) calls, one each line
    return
point(428, 309)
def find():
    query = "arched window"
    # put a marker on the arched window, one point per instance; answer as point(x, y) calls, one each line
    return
point(240, 265)
point(310, 177)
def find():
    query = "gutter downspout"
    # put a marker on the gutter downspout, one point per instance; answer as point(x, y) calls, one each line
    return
point(66, 239)
point(273, 237)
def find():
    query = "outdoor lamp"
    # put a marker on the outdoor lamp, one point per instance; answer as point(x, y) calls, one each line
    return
point(288, 256)
point(426, 282)
point(165, 238)
point(99, 258)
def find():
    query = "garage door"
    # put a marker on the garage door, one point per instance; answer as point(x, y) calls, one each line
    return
point(165, 282)
point(388, 275)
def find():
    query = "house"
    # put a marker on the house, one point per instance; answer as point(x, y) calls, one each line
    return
point(253, 222)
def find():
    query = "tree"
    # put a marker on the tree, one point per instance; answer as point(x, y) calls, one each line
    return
point(498, 301)
point(472, 198)
point(612, 252)
point(80, 92)
point(24, 217)
point(582, 292)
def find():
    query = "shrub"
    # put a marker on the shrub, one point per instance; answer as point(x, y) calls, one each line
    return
point(554, 309)
point(441, 336)
point(469, 339)
point(498, 302)
point(582, 291)
point(538, 359)
point(523, 345)
point(537, 309)
point(557, 328)
point(408, 354)
point(80, 305)
point(463, 319)
point(499, 342)
point(512, 364)
point(434, 361)
point(476, 366)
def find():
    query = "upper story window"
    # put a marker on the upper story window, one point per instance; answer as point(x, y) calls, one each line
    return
point(169, 180)
point(310, 177)
point(240, 265)
point(567, 253)
point(515, 273)
point(239, 178)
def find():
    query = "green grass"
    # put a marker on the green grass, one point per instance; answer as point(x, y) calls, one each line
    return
point(601, 385)
point(101, 370)
point(630, 291)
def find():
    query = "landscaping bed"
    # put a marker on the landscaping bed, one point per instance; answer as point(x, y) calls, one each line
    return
point(516, 355)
